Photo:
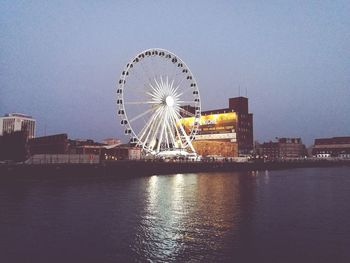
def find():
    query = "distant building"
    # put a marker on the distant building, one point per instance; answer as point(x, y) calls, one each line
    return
point(17, 122)
point(269, 150)
point(332, 147)
point(121, 152)
point(85, 147)
point(13, 146)
point(111, 141)
point(58, 148)
point(284, 148)
point(52, 144)
point(60, 144)
point(224, 132)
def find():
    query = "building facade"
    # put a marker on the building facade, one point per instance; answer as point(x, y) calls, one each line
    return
point(122, 152)
point(58, 148)
point(52, 144)
point(332, 147)
point(111, 141)
point(284, 148)
point(224, 132)
point(17, 122)
point(269, 150)
point(13, 146)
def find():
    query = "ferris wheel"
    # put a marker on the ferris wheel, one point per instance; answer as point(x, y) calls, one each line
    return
point(158, 102)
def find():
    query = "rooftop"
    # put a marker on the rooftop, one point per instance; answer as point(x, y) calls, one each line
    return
point(15, 114)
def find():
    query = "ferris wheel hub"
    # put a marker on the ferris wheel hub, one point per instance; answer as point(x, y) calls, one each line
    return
point(169, 101)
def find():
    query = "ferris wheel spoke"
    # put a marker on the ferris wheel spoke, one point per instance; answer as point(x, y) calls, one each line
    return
point(190, 114)
point(171, 133)
point(185, 101)
point(156, 93)
point(166, 134)
point(165, 84)
point(154, 122)
point(162, 128)
point(142, 114)
point(142, 94)
point(172, 87)
point(161, 90)
point(179, 73)
point(157, 127)
point(185, 91)
point(154, 96)
point(148, 127)
point(140, 102)
point(176, 129)
point(178, 85)
point(184, 132)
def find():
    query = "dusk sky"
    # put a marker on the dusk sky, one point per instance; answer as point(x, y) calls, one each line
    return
point(60, 60)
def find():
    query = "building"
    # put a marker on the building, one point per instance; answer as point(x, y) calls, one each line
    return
point(224, 132)
point(284, 148)
point(111, 141)
point(121, 152)
point(17, 122)
point(52, 144)
point(332, 147)
point(13, 146)
point(59, 149)
point(85, 147)
point(60, 144)
point(269, 150)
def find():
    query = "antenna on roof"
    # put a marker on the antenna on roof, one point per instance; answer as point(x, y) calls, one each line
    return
point(239, 90)
point(246, 92)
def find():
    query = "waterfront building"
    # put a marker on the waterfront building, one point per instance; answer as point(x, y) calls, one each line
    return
point(226, 132)
point(332, 147)
point(121, 152)
point(269, 150)
point(283, 148)
point(52, 144)
point(58, 148)
point(111, 141)
point(60, 144)
point(85, 147)
point(13, 146)
point(12, 122)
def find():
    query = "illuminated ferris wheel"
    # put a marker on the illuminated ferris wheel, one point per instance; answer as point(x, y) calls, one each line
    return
point(158, 102)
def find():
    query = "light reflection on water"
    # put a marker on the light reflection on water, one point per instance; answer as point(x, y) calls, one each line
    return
point(182, 211)
point(299, 215)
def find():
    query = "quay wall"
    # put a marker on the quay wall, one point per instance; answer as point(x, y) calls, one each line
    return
point(124, 169)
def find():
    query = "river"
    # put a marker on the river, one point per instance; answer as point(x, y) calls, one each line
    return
point(296, 215)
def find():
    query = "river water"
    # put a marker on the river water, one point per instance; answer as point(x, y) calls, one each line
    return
point(297, 215)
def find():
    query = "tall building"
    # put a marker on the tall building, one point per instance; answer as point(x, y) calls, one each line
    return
point(224, 132)
point(17, 122)
point(244, 125)
point(332, 147)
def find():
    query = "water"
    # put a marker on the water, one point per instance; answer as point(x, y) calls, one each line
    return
point(300, 215)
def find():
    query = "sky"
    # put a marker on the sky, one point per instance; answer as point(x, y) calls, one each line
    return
point(60, 61)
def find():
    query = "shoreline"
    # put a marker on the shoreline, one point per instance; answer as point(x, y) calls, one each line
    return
point(125, 169)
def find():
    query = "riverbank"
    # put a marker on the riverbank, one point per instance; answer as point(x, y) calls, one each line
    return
point(142, 168)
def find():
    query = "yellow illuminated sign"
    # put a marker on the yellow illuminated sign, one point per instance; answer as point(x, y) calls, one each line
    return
point(213, 119)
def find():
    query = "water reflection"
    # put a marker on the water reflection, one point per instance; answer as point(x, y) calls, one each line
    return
point(183, 212)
